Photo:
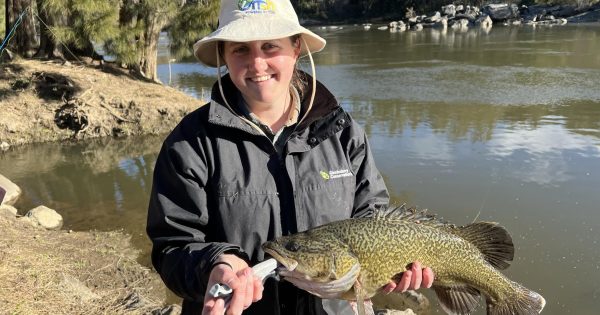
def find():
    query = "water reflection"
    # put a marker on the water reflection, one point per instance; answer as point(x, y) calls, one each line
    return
point(102, 184)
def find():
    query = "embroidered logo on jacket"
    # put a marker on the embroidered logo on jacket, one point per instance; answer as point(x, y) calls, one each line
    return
point(335, 174)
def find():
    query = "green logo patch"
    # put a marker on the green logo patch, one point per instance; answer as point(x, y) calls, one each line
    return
point(325, 175)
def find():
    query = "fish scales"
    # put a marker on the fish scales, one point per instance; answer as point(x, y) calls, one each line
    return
point(465, 260)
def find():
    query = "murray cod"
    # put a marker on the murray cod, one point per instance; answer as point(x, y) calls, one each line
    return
point(352, 259)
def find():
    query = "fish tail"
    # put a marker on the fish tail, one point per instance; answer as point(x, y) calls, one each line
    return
point(522, 301)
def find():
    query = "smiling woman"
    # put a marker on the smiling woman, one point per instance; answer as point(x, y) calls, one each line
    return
point(247, 167)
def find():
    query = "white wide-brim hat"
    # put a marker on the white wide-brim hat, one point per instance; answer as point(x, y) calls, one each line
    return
point(250, 20)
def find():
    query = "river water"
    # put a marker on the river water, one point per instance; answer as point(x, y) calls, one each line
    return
point(500, 126)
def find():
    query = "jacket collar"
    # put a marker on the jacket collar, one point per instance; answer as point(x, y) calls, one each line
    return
point(325, 118)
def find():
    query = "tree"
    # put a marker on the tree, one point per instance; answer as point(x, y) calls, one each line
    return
point(81, 23)
point(127, 30)
point(141, 22)
point(2, 23)
point(192, 22)
point(23, 42)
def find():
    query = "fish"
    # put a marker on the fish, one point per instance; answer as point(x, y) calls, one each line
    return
point(353, 259)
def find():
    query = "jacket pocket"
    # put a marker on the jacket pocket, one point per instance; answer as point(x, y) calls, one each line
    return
point(321, 203)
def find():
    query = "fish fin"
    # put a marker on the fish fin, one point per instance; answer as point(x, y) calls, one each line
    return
point(457, 299)
point(492, 240)
point(523, 302)
point(402, 213)
point(363, 306)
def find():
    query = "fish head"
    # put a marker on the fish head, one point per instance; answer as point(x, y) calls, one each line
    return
point(315, 256)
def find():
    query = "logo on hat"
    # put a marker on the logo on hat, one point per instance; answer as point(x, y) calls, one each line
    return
point(256, 6)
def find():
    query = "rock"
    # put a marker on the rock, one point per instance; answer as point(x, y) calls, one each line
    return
point(168, 310)
point(12, 191)
point(442, 23)
point(449, 10)
point(46, 217)
point(73, 287)
point(417, 27)
point(434, 18)
point(586, 17)
point(461, 24)
point(8, 211)
point(501, 12)
point(409, 300)
point(484, 21)
point(4, 146)
point(395, 312)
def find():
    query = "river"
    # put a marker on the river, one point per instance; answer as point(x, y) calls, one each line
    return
point(500, 126)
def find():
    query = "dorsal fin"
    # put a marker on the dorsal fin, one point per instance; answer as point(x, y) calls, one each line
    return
point(411, 214)
point(492, 240)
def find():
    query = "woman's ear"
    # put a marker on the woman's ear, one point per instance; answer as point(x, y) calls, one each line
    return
point(297, 47)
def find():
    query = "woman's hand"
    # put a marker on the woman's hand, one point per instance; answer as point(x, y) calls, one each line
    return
point(414, 278)
point(247, 288)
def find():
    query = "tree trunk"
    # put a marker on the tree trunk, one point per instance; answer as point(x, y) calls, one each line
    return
point(149, 58)
point(48, 47)
point(24, 41)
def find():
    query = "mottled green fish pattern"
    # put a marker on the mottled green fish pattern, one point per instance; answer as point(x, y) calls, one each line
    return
point(352, 259)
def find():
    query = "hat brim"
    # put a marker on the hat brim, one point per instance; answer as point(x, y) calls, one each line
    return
point(244, 30)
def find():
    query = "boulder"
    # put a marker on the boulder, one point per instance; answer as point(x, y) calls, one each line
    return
point(411, 301)
point(449, 10)
point(12, 191)
point(45, 217)
point(4, 146)
point(8, 211)
point(501, 12)
point(586, 17)
point(434, 18)
point(484, 21)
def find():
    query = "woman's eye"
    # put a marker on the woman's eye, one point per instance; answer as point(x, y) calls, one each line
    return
point(239, 50)
point(269, 46)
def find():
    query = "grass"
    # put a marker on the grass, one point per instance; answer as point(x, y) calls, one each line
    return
point(56, 272)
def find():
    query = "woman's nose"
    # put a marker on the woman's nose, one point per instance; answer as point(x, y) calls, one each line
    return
point(258, 62)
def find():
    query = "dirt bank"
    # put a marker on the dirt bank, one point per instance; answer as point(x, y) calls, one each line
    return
point(62, 272)
point(52, 100)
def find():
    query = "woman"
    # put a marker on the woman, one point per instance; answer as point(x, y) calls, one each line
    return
point(273, 153)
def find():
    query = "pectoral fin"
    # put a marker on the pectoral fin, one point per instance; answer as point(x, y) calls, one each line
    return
point(457, 299)
point(362, 306)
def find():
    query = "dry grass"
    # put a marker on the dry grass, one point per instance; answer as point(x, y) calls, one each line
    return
point(56, 272)
point(111, 102)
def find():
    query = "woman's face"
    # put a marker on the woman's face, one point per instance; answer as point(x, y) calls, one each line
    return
point(262, 69)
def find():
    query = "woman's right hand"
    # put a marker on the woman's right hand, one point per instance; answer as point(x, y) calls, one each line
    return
point(246, 287)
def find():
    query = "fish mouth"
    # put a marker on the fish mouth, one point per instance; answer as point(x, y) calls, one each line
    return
point(288, 263)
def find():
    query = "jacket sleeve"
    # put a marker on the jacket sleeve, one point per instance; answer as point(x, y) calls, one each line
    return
point(371, 193)
point(178, 216)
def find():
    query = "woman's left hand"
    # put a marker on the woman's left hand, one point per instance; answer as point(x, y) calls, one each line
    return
point(414, 278)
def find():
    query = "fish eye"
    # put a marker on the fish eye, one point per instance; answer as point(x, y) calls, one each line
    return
point(292, 246)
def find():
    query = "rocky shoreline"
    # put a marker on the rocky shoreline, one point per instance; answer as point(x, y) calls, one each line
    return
point(462, 17)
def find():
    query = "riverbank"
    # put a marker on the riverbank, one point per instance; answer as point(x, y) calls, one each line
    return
point(54, 100)
point(65, 272)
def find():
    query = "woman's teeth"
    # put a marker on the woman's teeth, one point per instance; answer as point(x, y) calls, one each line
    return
point(261, 78)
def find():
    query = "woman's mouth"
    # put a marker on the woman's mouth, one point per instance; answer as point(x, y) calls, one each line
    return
point(261, 78)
